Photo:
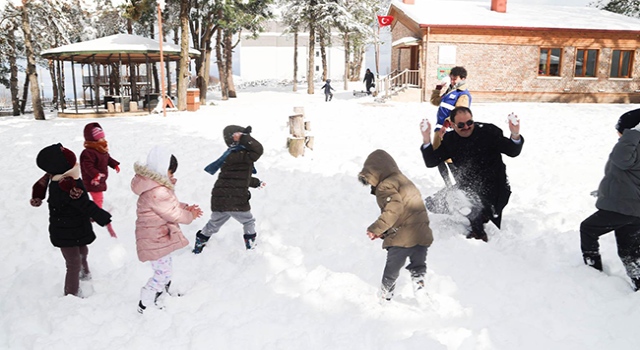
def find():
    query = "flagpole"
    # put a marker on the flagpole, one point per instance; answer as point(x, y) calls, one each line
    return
point(164, 102)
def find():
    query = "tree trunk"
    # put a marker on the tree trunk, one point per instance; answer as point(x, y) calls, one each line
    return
point(222, 71)
point(311, 68)
point(201, 68)
point(207, 73)
point(13, 66)
point(154, 67)
point(183, 78)
point(54, 82)
point(228, 49)
point(59, 87)
point(358, 67)
point(25, 94)
point(38, 112)
point(323, 54)
point(63, 93)
point(295, 60)
point(346, 61)
point(176, 41)
point(132, 66)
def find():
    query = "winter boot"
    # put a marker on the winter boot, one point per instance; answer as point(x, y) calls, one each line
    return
point(636, 284)
point(250, 241)
point(385, 294)
point(593, 259)
point(201, 241)
point(418, 283)
point(173, 294)
point(478, 235)
point(142, 307)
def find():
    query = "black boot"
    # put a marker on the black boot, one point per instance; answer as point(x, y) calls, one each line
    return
point(201, 241)
point(250, 241)
point(173, 294)
point(593, 259)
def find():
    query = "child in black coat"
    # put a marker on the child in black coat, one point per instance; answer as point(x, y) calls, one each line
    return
point(70, 211)
point(327, 90)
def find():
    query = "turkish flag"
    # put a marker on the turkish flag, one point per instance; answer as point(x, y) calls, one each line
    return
point(385, 20)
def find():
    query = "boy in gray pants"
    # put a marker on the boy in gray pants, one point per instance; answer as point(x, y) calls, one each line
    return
point(403, 222)
point(230, 195)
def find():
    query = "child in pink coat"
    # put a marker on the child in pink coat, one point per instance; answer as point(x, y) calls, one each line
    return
point(159, 213)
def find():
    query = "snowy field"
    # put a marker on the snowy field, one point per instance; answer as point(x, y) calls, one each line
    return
point(312, 281)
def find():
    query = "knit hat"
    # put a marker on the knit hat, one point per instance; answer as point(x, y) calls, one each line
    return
point(628, 120)
point(93, 132)
point(55, 160)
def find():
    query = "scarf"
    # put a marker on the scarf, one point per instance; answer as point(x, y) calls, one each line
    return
point(217, 164)
point(102, 147)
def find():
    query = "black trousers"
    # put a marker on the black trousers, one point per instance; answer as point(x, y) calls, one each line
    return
point(396, 257)
point(627, 231)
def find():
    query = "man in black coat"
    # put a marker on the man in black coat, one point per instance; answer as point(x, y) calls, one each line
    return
point(618, 202)
point(368, 80)
point(475, 149)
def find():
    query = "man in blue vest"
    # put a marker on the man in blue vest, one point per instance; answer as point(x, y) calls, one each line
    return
point(455, 95)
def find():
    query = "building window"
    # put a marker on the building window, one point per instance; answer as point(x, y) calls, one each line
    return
point(586, 63)
point(550, 62)
point(317, 68)
point(621, 63)
point(317, 54)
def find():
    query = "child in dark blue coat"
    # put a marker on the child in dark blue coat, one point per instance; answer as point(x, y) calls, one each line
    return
point(327, 90)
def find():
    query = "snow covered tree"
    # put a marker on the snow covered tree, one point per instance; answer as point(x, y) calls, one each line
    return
point(10, 47)
point(32, 74)
point(630, 8)
point(183, 76)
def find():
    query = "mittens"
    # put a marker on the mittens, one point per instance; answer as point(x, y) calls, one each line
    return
point(68, 184)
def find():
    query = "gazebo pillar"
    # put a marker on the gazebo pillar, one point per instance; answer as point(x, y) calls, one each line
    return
point(75, 94)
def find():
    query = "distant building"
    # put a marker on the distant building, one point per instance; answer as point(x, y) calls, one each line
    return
point(519, 52)
point(270, 56)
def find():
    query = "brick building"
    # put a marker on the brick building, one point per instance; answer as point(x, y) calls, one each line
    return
point(519, 52)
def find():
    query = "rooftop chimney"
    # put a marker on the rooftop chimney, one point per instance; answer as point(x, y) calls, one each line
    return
point(499, 6)
point(409, 2)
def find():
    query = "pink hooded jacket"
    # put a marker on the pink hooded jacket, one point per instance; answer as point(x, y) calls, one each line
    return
point(159, 213)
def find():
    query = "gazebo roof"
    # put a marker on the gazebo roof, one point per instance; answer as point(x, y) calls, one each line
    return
point(115, 48)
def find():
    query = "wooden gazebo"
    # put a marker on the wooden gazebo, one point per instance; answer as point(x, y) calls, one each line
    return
point(111, 53)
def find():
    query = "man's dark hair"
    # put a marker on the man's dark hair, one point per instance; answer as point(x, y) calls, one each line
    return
point(173, 164)
point(459, 72)
point(459, 110)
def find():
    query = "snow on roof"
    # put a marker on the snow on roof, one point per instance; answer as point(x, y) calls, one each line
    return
point(405, 40)
point(438, 12)
point(118, 43)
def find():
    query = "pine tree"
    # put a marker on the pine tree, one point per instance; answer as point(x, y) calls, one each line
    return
point(630, 8)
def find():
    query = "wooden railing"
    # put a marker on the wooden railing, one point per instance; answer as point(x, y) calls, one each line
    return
point(397, 81)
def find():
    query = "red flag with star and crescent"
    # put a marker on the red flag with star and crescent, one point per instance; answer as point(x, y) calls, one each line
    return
point(385, 20)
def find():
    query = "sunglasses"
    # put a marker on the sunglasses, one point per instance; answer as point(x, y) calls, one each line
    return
point(468, 123)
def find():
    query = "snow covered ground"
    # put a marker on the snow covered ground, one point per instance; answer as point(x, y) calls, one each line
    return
point(312, 281)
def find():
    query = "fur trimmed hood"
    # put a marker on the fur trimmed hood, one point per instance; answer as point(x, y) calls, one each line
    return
point(147, 179)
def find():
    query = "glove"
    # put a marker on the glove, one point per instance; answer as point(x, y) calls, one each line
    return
point(111, 231)
point(117, 168)
point(96, 180)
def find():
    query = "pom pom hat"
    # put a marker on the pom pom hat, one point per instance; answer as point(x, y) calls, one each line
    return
point(628, 120)
point(55, 160)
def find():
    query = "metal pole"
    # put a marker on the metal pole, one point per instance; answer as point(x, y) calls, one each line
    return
point(60, 97)
point(97, 80)
point(91, 83)
point(164, 103)
point(75, 95)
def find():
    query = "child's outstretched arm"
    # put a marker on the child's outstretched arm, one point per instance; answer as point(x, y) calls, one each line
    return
point(114, 164)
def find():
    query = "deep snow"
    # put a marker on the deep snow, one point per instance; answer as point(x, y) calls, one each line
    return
point(312, 281)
